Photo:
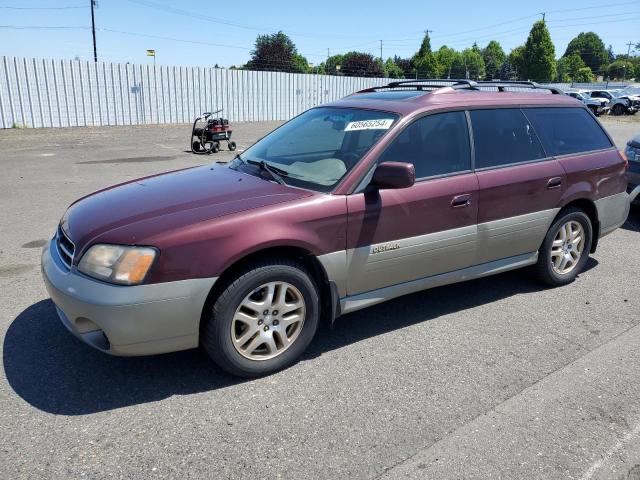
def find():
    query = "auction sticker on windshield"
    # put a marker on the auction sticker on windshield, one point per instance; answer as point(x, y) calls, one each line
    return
point(379, 124)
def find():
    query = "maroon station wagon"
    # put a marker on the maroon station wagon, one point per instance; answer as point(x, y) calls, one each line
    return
point(389, 191)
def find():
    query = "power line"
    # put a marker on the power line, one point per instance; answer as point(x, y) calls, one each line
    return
point(69, 7)
point(44, 27)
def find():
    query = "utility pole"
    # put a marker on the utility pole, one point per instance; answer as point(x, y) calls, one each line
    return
point(624, 70)
point(381, 50)
point(93, 29)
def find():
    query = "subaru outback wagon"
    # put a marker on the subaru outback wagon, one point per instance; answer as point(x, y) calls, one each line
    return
point(386, 192)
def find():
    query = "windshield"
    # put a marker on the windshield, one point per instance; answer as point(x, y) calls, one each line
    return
point(318, 148)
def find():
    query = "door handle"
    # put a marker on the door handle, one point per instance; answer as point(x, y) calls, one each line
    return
point(460, 201)
point(555, 182)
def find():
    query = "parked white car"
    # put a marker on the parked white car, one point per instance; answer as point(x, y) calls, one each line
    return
point(620, 102)
point(597, 105)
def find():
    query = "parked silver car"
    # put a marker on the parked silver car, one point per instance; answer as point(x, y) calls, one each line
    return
point(597, 105)
point(620, 103)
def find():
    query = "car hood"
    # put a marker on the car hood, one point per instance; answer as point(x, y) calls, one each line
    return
point(635, 142)
point(131, 212)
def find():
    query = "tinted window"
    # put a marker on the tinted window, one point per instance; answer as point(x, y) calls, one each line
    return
point(436, 145)
point(567, 130)
point(502, 137)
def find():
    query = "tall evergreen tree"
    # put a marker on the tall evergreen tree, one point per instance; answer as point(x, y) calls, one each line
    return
point(539, 54)
point(425, 46)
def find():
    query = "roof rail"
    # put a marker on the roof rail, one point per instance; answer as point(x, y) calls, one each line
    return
point(462, 84)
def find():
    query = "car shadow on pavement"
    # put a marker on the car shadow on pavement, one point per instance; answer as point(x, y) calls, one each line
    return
point(55, 372)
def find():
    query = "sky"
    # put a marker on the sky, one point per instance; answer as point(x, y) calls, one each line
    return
point(205, 33)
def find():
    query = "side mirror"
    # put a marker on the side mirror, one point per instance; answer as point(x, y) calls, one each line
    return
point(394, 175)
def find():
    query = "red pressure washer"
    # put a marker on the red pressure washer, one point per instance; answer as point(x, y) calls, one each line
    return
point(207, 138)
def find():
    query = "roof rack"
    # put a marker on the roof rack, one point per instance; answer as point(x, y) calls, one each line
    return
point(458, 84)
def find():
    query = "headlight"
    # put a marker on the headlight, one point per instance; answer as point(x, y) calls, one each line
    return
point(117, 263)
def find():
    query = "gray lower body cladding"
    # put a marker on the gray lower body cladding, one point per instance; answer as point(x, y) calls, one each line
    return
point(368, 275)
point(373, 267)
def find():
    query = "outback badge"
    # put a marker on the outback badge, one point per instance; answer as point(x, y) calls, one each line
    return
point(385, 247)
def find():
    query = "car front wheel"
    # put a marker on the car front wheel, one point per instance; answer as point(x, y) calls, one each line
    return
point(565, 249)
point(618, 109)
point(263, 320)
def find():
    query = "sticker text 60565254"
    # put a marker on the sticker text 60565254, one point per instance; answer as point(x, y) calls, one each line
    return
point(377, 124)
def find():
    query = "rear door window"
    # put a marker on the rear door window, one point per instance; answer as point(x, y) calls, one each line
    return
point(504, 137)
point(566, 131)
point(436, 145)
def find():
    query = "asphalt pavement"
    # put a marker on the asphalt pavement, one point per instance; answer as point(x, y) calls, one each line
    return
point(494, 378)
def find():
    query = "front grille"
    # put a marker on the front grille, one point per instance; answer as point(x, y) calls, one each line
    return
point(65, 247)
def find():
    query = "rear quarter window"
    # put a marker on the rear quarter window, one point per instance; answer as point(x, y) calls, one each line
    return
point(566, 131)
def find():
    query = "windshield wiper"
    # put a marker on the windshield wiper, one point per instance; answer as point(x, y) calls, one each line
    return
point(275, 172)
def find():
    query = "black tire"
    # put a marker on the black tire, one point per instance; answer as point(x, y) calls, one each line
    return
point(232, 145)
point(544, 268)
point(594, 110)
point(195, 146)
point(215, 333)
point(618, 109)
point(215, 147)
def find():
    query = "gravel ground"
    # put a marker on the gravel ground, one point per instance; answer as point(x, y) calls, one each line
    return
point(496, 378)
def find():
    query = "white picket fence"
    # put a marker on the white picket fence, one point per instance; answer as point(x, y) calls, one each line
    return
point(70, 93)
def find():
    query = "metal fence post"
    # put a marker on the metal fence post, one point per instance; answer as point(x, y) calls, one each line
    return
point(15, 68)
point(27, 83)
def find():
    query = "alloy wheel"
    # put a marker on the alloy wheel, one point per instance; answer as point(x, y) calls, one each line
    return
point(268, 321)
point(567, 247)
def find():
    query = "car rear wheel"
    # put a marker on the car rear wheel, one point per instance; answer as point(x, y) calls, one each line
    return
point(565, 249)
point(263, 320)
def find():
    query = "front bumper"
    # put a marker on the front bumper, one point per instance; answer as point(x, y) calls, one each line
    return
point(126, 320)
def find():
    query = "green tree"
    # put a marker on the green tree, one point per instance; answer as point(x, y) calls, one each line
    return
point(358, 64)
point(425, 46)
point(330, 66)
point(568, 67)
point(493, 57)
point(508, 71)
point(405, 65)
point(474, 64)
point(621, 68)
point(516, 61)
point(539, 54)
point(426, 66)
point(392, 70)
point(583, 75)
point(276, 52)
point(300, 64)
point(591, 48)
point(446, 58)
point(424, 61)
